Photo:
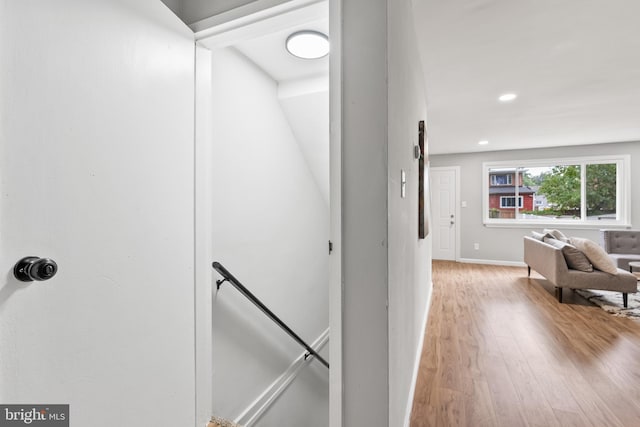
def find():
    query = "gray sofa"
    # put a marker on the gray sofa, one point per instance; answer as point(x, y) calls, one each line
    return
point(622, 246)
point(549, 261)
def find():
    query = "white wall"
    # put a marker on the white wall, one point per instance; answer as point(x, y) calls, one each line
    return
point(386, 269)
point(365, 269)
point(308, 116)
point(505, 244)
point(96, 171)
point(304, 403)
point(270, 230)
point(409, 257)
point(204, 248)
point(336, 390)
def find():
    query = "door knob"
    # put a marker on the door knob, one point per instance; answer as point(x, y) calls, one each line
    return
point(35, 268)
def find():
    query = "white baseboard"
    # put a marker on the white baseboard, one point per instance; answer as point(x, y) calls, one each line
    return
point(264, 401)
point(416, 363)
point(492, 262)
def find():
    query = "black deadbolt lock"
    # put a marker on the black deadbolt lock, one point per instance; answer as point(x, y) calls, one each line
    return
point(33, 268)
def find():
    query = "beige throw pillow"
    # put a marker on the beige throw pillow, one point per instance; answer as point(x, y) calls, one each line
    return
point(598, 257)
point(575, 259)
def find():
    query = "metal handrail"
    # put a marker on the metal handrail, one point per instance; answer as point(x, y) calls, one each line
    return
point(228, 277)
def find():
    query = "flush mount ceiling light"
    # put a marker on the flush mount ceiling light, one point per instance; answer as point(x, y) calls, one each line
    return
point(308, 44)
point(507, 97)
point(483, 142)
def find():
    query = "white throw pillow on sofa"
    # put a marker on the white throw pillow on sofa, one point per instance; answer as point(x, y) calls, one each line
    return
point(540, 236)
point(557, 234)
point(596, 255)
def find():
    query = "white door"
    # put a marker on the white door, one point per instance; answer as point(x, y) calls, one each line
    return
point(96, 172)
point(443, 199)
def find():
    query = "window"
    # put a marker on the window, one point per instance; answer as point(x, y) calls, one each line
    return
point(501, 179)
point(510, 201)
point(582, 191)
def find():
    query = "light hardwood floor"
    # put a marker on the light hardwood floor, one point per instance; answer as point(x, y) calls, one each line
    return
point(501, 351)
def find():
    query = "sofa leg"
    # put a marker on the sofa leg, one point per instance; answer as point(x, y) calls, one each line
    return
point(559, 292)
point(529, 272)
point(625, 299)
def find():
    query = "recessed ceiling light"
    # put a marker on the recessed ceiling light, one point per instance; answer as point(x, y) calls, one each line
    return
point(308, 44)
point(483, 142)
point(507, 97)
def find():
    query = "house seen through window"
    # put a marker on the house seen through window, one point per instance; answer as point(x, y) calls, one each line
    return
point(569, 191)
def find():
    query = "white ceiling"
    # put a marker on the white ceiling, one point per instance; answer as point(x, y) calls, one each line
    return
point(262, 40)
point(575, 65)
point(270, 54)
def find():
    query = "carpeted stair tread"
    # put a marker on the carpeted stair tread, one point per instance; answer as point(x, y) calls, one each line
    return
point(220, 422)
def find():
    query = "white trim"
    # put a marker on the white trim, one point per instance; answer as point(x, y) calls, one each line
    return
point(492, 262)
point(564, 161)
point(623, 190)
point(527, 225)
point(203, 250)
point(624, 205)
point(458, 214)
point(335, 215)
point(265, 400)
point(418, 358)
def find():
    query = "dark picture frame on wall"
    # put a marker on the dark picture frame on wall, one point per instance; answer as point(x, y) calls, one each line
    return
point(423, 222)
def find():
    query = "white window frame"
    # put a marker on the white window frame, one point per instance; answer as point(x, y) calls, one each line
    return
point(520, 202)
point(494, 181)
point(623, 192)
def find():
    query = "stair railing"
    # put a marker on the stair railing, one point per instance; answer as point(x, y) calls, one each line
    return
point(228, 277)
